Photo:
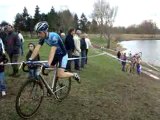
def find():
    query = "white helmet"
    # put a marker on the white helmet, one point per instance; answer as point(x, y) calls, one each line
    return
point(41, 26)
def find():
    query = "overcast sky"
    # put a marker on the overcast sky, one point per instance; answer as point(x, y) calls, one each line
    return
point(129, 11)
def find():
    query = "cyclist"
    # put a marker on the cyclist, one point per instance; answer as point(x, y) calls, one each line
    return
point(57, 53)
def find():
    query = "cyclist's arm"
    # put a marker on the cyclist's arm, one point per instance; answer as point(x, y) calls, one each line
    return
point(35, 52)
point(51, 54)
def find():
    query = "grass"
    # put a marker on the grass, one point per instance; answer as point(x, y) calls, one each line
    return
point(98, 41)
point(106, 93)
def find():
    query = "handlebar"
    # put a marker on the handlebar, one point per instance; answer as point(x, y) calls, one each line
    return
point(37, 63)
point(23, 68)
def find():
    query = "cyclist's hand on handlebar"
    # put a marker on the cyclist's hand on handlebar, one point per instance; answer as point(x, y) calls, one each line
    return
point(46, 65)
point(30, 61)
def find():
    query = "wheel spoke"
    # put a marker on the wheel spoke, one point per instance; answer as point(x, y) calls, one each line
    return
point(62, 88)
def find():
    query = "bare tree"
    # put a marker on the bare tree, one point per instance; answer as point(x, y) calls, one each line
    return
point(105, 15)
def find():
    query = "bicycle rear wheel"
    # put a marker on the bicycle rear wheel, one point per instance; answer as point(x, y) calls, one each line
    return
point(29, 98)
point(62, 88)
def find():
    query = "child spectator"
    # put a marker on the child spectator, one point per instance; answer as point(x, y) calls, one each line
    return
point(32, 68)
point(138, 66)
point(3, 60)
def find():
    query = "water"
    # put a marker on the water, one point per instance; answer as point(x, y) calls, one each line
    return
point(150, 49)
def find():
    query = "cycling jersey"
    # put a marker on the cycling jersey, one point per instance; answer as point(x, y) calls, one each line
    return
point(54, 39)
point(61, 56)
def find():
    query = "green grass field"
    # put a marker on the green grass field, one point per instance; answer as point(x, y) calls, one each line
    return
point(106, 93)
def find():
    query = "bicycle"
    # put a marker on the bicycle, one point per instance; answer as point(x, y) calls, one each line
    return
point(31, 93)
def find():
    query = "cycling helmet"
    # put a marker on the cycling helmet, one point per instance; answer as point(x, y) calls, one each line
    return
point(41, 26)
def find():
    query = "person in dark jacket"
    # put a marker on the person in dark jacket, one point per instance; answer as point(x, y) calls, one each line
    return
point(118, 54)
point(2, 33)
point(32, 68)
point(69, 44)
point(12, 45)
point(3, 60)
point(83, 51)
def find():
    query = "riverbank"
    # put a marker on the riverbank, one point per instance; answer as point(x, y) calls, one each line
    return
point(127, 37)
point(124, 37)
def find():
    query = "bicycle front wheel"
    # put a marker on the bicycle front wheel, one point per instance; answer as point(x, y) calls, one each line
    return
point(62, 88)
point(29, 98)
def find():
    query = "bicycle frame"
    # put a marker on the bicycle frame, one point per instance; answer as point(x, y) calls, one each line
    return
point(53, 81)
point(50, 89)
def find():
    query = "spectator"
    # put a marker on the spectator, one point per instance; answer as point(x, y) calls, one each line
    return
point(77, 50)
point(69, 44)
point(1, 42)
point(32, 68)
point(3, 60)
point(83, 51)
point(133, 62)
point(22, 41)
point(118, 54)
point(2, 33)
point(88, 44)
point(130, 55)
point(63, 37)
point(138, 65)
point(124, 58)
point(12, 46)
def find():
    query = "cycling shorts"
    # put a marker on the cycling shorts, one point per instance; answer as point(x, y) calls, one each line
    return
point(62, 60)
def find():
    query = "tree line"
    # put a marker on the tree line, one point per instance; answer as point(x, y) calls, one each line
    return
point(146, 27)
point(62, 20)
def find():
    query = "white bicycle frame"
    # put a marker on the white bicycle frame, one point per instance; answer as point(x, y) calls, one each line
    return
point(55, 69)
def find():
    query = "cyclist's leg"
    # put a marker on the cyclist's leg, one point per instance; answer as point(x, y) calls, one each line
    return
point(63, 74)
point(61, 70)
point(62, 66)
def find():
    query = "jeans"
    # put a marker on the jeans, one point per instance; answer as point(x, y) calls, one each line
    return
point(76, 63)
point(14, 58)
point(69, 61)
point(22, 51)
point(123, 66)
point(83, 59)
point(2, 82)
point(33, 73)
point(86, 56)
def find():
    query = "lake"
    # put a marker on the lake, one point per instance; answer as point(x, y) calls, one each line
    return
point(150, 49)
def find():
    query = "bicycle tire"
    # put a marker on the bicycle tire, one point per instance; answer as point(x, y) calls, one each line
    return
point(36, 87)
point(62, 88)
